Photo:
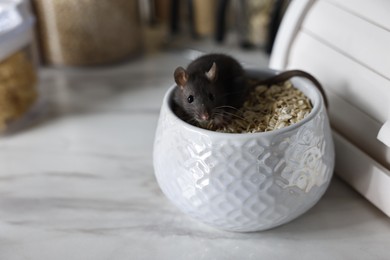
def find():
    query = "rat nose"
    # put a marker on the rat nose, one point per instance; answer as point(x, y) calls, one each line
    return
point(204, 116)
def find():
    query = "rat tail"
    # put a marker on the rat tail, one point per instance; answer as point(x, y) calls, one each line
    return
point(286, 75)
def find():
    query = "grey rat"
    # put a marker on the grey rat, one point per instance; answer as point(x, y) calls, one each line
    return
point(215, 86)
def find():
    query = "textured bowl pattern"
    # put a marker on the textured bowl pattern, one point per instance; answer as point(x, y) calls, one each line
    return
point(243, 182)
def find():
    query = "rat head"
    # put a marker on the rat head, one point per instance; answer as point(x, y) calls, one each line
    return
point(199, 96)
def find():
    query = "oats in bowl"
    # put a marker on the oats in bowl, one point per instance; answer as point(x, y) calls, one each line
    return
point(267, 109)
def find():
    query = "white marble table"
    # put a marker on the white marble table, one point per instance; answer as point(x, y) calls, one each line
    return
point(79, 184)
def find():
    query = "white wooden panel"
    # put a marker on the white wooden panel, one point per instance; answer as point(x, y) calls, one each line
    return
point(374, 11)
point(367, 176)
point(362, 41)
point(288, 29)
point(384, 134)
point(363, 88)
point(359, 128)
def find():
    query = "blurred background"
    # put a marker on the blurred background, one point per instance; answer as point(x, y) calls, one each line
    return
point(49, 47)
point(91, 32)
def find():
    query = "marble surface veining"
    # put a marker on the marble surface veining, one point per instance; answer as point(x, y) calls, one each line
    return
point(79, 183)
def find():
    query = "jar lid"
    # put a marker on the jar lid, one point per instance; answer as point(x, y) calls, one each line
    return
point(16, 22)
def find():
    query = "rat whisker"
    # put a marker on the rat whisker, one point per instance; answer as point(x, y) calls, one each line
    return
point(236, 116)
point(224, 110)
point(223, 113)
point(231, 107)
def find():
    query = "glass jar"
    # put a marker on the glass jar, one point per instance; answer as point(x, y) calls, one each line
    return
point(88, 32)
point(18, 71)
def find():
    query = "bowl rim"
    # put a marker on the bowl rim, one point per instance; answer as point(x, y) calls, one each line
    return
point(304, 85)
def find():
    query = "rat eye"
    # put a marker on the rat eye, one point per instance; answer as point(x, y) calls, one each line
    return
point(190, 99)
point(211, 97)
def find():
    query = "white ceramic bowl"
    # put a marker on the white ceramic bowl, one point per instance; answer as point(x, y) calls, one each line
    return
point(245, 182)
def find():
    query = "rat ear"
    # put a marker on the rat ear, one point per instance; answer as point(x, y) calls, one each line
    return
point(212, 73)
point(181, 76)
